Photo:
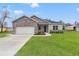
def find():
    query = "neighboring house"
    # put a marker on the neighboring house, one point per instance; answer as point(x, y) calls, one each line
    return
point(34, 25)
point(77, 27)
point(69, 27)
point(5, 28)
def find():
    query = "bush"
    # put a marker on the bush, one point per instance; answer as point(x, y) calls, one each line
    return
point(40, 33)
point(57, 31)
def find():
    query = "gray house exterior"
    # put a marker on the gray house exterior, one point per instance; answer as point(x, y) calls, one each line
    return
point(35, 25)
point(55, 26)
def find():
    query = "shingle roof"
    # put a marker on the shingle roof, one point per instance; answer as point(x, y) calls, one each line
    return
point(38, 20)
point(20, 18)
point(53, 22)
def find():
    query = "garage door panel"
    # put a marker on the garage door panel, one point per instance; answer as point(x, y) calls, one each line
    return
point(24, 30)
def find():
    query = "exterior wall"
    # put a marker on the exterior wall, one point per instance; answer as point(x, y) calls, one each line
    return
point(77, 28)
point(14, 27)
point(23, 22)
point(50, 28)
point(42, 28)
point(60, 27)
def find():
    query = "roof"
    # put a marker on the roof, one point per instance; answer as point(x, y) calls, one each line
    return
point(39, 20)
point(53, 22)
point(20, 18)
point(34, 18)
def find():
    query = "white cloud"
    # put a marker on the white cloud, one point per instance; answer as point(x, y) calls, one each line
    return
point(34, 5)
point(77, 9)
point(18, 12)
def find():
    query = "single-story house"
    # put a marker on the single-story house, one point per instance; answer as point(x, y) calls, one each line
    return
point(77, 27)
point(34, 25)
point(69, 27)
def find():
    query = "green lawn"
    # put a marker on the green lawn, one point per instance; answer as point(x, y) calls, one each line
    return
point(3, 34)
point(66, 44)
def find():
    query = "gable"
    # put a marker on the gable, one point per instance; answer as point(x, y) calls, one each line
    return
point(24, 21)
point(39, 20)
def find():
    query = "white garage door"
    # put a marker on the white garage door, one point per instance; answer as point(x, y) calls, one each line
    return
point(24, 30)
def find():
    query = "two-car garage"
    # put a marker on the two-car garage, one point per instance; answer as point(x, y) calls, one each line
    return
point(24, 30)
point(24, 25)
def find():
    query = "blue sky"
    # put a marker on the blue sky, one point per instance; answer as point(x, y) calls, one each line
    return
point(67, 12)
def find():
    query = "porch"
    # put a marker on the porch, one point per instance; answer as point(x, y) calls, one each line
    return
point(42, 29)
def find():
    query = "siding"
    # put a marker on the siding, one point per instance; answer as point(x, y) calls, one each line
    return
point(60, 27)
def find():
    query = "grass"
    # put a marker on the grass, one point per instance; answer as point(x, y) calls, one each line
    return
point(66, 44)
point(3, 34)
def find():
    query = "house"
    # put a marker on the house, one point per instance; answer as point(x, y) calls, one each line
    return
point(77, 27)
point(34, 25)
point(69, 27)
point(4, 27)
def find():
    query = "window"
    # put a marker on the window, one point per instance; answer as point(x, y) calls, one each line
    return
point(55, 27)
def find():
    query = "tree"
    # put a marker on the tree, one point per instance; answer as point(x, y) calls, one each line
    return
point(4, 15)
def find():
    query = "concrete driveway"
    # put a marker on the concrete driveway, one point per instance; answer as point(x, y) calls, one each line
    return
point(10, 45)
